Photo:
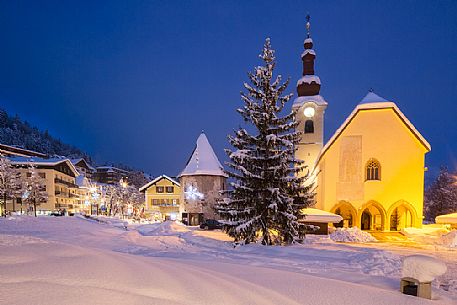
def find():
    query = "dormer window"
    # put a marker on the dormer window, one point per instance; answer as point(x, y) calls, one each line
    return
point(309, 126)
point(373, 170)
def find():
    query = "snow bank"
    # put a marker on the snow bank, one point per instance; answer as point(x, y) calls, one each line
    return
point(162, 229)
point(422, 268)
point(449, 240)
point(352, 235)
point(433, 235)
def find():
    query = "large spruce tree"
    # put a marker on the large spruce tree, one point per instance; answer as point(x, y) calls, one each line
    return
point(266, 194)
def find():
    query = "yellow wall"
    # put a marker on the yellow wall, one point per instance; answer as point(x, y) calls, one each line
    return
point(51, 187)
point(385, 137)
point(151, 194)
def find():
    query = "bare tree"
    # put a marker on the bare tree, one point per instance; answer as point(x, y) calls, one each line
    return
point(9, 182)
point(35, 188)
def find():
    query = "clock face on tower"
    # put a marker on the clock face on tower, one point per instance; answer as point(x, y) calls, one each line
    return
point(309, 112)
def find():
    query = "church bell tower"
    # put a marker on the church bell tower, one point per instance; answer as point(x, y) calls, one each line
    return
point(310, 107)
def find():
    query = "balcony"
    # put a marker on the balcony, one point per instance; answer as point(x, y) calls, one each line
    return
point(61, 194)
point(61, 181)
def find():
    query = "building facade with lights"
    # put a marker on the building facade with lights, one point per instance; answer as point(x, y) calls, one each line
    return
point(371, 171)
point(59, 176)
point(202, 181)
point(162, 198)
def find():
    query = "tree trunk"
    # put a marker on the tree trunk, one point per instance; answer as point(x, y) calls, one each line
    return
point(34, 206)
point(14, 204)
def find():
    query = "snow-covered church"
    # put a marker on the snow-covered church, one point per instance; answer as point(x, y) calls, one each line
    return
point(371, 171)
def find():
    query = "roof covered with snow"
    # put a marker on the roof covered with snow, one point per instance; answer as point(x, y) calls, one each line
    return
point(372, 97)
point(76, 161)
point(369, 102)
point(308, 79)
point(316, 215)
point(157, 179)
point(43, 162)
point(447, 219)
point(203, 160)
point(318, 99)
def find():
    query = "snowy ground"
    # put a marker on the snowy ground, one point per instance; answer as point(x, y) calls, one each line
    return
point(70, 260)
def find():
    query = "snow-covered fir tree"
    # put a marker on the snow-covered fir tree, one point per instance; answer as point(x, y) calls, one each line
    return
point(441, 196)
point(34, 188)
point(266, 195)
point(10, 183)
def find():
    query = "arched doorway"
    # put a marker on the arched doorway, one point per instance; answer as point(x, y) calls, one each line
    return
point(372, 217)
point(348, 212)
point(365, 221)
point(402, 215)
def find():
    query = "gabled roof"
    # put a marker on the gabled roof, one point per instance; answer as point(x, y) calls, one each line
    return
point(147, 185)
point(18, 151)
point(203, 160)
point(369, 102)
point(76, 161)
point(43, 162)
point(372, 97)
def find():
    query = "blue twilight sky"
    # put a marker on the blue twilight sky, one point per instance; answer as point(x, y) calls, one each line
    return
point(136, 81)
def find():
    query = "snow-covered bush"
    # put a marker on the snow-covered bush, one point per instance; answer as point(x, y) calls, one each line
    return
point(352, 235)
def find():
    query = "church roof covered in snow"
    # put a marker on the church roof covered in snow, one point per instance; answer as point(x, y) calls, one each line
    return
point(369, 102)
point(203, 160)
point(372, 97)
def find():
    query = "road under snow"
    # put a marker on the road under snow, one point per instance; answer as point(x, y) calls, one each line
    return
point(70, 260)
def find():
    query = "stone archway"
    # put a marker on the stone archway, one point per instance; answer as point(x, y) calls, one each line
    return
point(402, 215)
point(372, 216)
point(348, 212)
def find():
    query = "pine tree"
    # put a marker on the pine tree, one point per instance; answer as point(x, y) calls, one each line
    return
point(9, 182)
point(441, 196)
point(35, 188)
point(267, 195)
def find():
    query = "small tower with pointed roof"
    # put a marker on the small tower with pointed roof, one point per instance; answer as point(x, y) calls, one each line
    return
point(201, 182)
point(310, 106)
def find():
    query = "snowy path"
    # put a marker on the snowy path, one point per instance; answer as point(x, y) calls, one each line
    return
point(75, 261)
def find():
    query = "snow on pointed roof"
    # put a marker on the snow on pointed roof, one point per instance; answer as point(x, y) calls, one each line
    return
point(203, 160)
point(374, 101)
point(372, 97)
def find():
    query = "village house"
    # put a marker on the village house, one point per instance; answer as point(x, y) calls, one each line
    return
point(162, 198)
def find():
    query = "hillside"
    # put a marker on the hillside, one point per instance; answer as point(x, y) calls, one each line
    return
point(14, 131)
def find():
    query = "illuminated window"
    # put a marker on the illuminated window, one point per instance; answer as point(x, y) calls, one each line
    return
point(309, 126)
point(373, 170)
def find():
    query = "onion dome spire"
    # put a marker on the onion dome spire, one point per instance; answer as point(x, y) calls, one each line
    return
point(309, 84)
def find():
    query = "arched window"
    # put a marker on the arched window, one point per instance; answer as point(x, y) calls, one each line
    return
point(309, 126)
point(373, 170)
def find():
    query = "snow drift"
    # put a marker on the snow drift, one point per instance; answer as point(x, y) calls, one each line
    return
point(352, 235)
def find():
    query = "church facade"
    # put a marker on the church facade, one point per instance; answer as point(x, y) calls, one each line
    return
point(371, 171)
